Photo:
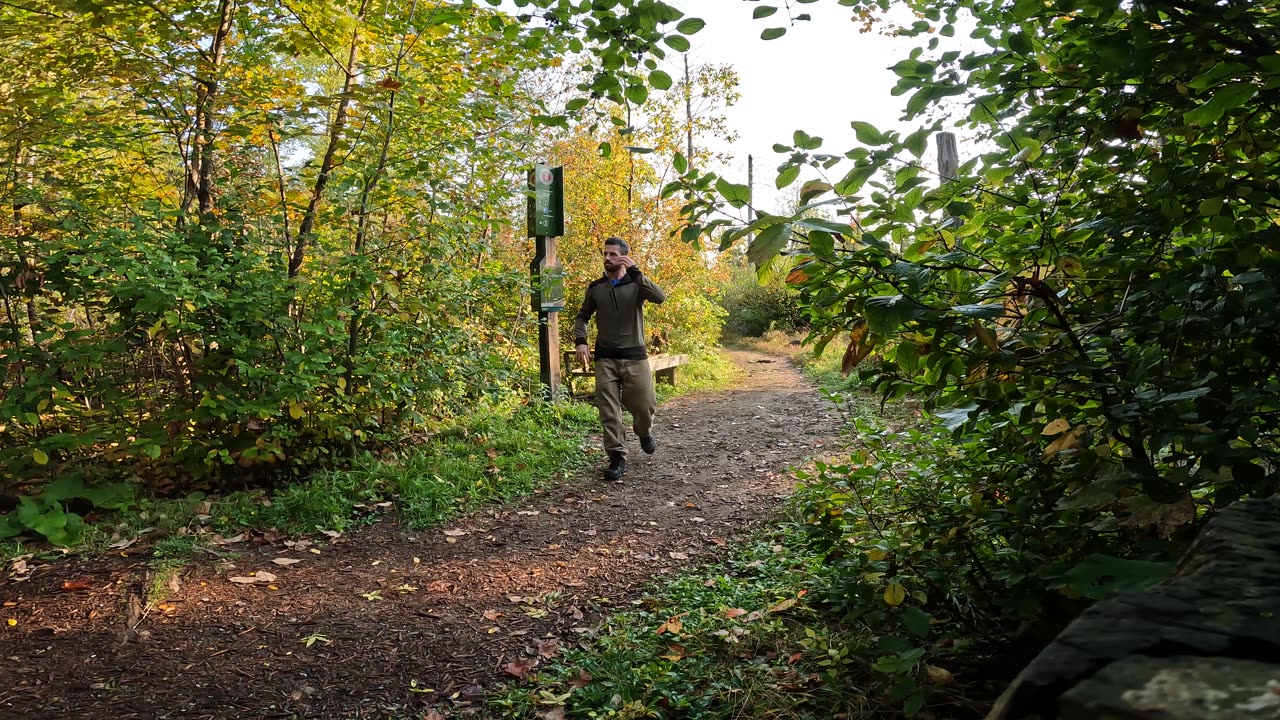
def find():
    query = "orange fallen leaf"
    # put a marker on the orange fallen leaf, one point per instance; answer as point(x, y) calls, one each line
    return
point(520, 667)
point(795, 658)
point(73, 585)
point(673, 625)
point(734, 612)
point(675, 653)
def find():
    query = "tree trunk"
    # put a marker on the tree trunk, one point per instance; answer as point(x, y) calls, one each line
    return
point(307, 227)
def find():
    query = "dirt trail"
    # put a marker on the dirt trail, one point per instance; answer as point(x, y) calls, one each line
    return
point(398, 619)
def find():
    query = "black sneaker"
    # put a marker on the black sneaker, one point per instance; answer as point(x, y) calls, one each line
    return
point(646, 444)
point(617, 466)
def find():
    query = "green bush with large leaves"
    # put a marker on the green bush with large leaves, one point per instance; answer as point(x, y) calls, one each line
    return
point(242, 239)
point(1090, 303)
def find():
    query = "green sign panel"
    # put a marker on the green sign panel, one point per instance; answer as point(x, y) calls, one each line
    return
point(546, 201)
point(551, 288)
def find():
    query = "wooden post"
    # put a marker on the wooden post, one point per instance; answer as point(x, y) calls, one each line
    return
point(948, 166)
point(546, 223)
point(948, 156)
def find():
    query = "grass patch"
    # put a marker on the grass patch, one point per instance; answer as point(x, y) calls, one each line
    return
point(738, 639)
point(493, 457)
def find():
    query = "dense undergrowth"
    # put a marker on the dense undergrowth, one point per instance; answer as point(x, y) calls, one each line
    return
point(498, 453)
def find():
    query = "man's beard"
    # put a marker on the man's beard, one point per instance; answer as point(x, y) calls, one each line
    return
point(611, 267)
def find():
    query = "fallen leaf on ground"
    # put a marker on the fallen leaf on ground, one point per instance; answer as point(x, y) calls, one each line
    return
point(441, 586)
point(73, 585)
point(734, 612)
point(673, 625)
point(166, 607)
point(264, 576)
point(242, 580)
point(678, 555)
point(520, 667)
point(406, 588)
point(783, 606)
point(675, 653)
point(285, 561)
point(455, 533)
point(555, 713)
point(939, 676)
point(331, 534)
point(492, 615)
point(372, 596)
point(549, 647)
point(581, 680)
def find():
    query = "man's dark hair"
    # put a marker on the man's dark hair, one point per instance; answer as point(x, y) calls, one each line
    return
point(622, 244)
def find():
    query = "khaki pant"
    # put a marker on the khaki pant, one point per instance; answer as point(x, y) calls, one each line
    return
point(629, 384)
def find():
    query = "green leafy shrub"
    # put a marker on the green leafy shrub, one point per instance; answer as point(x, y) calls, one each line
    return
point(751, 309)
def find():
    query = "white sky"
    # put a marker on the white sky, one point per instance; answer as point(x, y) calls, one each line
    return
point(819, 77)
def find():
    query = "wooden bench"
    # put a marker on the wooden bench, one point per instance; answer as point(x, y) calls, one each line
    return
point(663, 366)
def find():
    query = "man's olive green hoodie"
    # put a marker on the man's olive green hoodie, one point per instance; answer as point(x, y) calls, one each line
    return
point(619, 318)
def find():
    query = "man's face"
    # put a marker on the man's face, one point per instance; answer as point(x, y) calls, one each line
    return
point(612, 258)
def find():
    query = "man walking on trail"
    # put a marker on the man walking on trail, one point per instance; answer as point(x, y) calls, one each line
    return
point(623, 378)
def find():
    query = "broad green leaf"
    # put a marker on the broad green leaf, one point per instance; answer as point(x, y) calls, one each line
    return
point(822, 244)
point(677, 42)
point(40, 457)
point(886, 313)
point(918, 141)
point(637, 93)
point(1020, 43)
point(867, 133)
point(853, 181)
point(660, 80)
point(773, 33)
point(766, 246)
point(737, 195)
point(787, 175)
point(1225, 98)
point(916, 621)
point(690, 26)
point(805, 141)
point(763, 11)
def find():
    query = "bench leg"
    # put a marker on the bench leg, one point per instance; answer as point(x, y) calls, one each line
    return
point(667, 375)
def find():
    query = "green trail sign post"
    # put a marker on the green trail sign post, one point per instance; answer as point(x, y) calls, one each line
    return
point(546, 223)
